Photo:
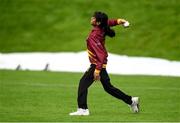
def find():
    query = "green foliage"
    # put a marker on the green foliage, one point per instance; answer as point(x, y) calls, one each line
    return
point(27, 96)
point(63, 25)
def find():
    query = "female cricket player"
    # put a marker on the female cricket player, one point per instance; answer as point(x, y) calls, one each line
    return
point(98, 58)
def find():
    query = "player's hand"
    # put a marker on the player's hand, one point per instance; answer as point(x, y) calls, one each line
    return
point(96, 76)
point(123, 22)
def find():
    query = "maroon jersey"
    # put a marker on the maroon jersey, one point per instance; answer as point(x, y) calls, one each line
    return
point(96, 46)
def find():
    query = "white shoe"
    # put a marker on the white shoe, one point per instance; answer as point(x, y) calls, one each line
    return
point(135, 104)
point(80, 112)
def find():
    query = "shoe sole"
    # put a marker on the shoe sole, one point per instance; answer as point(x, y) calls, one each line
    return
point(138, 105)
point(80, 115)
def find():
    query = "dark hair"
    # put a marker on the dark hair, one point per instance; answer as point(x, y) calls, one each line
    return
point(103, 19)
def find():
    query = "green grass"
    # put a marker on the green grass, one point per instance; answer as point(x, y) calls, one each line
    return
point(62, 25)
point(50, 96)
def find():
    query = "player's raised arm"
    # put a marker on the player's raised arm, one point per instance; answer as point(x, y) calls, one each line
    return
point(114, 22)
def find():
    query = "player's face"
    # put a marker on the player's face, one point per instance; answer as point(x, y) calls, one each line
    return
point(93, 21)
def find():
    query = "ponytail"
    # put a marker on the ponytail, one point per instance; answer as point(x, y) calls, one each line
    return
point(109, 32)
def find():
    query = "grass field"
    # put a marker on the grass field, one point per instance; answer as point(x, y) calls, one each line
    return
point(62, 25)
point(50, 96)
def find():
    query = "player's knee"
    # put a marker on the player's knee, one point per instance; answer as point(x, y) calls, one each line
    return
point(107, 88)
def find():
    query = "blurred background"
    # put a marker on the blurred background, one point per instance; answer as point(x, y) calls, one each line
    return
point(63, 25)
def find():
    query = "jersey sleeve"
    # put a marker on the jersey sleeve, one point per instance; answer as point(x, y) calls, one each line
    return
point(112, 22)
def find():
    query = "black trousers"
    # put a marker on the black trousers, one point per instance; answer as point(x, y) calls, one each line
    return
point(87, 80)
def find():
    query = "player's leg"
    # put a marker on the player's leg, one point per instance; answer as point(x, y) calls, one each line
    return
point(85, 82)
point(109, 88)
point(132, 101)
